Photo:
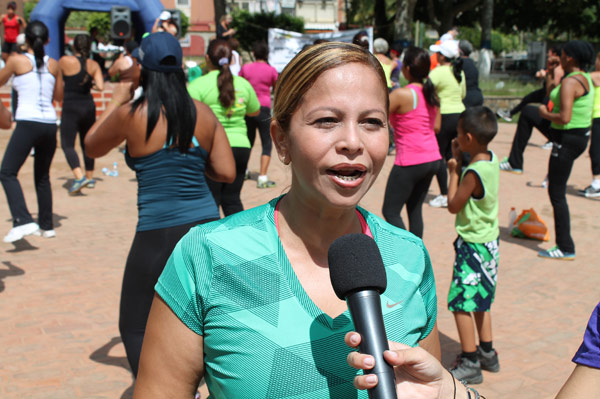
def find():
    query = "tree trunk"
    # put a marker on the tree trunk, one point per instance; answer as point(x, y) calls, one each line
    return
point(381, 27)
point(487, 17)
point(405, 10)
point(447, 11)
point(220, 10)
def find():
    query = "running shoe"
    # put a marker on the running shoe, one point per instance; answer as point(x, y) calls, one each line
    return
point(266, 184)
point(441, 201)
point(18, 232)
point(467, 370)
point(45, 233)
point(488, 360)
point(77, 186)
point(547, 146)
point(90, 183)
point(505, 166)
point(556, 253)
point(590, 192)
point(247, 175)
point(504, 114)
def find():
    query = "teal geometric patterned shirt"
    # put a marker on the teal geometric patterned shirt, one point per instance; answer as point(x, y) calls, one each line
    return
point(231, 282)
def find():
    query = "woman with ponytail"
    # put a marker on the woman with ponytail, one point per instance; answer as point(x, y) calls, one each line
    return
point(415, 117)
point(571, 122)
point(172, 143)
point(80, 75)
point(231, 98)
point(38, 81)
point(449, 81)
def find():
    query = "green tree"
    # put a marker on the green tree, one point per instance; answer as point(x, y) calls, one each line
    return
point(185, 23)
point(252, 27)
point(100, 20)
point(28, 8)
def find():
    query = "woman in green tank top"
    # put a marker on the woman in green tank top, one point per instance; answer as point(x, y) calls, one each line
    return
point(571, 119)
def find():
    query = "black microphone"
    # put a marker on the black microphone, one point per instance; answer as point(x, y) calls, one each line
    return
point(358, 276)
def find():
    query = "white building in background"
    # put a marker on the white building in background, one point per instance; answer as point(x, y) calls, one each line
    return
point(318, 15)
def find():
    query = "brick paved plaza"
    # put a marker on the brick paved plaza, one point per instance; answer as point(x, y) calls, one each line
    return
point(59, 297)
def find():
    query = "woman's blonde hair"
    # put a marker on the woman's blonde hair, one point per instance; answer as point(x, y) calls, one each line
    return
point(305, 68)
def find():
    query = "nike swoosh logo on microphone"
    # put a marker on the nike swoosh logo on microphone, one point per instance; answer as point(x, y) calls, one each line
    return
point(391, 305)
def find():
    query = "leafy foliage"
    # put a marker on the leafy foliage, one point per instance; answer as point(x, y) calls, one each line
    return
point(100, 20)
point(253, 27)
point(28, 8)
point(185, 24)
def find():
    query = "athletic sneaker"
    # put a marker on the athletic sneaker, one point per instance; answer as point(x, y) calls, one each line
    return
point(77, 186)
point(505, 166)
point(467, 371)
point(547, 146)
point(556, 253)
point(488, 360)
point(247, 175)
point(504, 114)
point(45, 233)
point(441, 201)
point(265, 184)
point(18, 232)
point(590, 192)
point(90, 183)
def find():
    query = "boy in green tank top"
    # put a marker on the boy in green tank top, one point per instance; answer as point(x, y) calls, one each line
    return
point(473, 197)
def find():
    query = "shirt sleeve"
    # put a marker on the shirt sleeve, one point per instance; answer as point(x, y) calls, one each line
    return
point(185, 281)
point(253, 103)
point(463, 85)
point(193, 91)
point(428, 293)
point(588, 353)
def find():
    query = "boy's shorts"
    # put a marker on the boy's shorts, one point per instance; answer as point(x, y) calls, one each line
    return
point(474, 277)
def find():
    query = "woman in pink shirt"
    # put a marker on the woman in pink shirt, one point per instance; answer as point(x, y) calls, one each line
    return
point(415, 117)
point(262, 77)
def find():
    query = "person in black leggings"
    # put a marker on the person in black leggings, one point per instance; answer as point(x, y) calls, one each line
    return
point(571, 119)
point(173, 144)
point(38, 81)
point(530, 118)
point(79, 111)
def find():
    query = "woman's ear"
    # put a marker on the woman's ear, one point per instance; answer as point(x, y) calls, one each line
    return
point(280, 140)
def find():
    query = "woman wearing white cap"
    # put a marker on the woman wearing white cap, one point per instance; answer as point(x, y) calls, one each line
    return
point(449, 81)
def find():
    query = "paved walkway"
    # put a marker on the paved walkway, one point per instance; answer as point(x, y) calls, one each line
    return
point(59, 297)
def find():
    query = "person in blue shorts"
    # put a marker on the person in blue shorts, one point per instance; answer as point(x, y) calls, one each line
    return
point(247, 303)
point(473, 197)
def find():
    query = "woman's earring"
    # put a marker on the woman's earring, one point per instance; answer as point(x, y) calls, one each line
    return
point(284, 159)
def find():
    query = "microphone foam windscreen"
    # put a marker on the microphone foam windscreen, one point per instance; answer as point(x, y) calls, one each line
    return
point(355, 264)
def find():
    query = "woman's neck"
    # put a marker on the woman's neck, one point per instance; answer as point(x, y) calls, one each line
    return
point(315, 226)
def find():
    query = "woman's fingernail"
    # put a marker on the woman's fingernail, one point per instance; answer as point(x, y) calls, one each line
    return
point(369, 362)
point(392, 354)
point(354, 339)
point(371, 379)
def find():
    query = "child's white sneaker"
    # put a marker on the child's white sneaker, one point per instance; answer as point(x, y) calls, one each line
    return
point(441, 201)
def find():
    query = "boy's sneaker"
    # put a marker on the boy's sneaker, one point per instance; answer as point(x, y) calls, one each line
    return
point(590, 192)
point(77, 186)
point(266, 184)
point(45, 233)
point(504, 114)
point(488, 360)
point(18, 232)
point(467, 370)
point(505, 166)
point(556, 253)
point(441, 201)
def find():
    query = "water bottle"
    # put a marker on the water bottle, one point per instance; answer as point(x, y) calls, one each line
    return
point(105, 171)
point(115, 171)
point(512, 216)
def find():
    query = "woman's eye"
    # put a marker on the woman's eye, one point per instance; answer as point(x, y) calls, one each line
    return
point(374, 122)
point(326, 122)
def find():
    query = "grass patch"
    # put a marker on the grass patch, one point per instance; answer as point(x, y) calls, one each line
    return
point(507, 87)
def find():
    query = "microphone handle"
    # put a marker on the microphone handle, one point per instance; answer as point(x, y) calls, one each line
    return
point(365, 308)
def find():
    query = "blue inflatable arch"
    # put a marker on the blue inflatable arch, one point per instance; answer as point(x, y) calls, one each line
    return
point(54, 14)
